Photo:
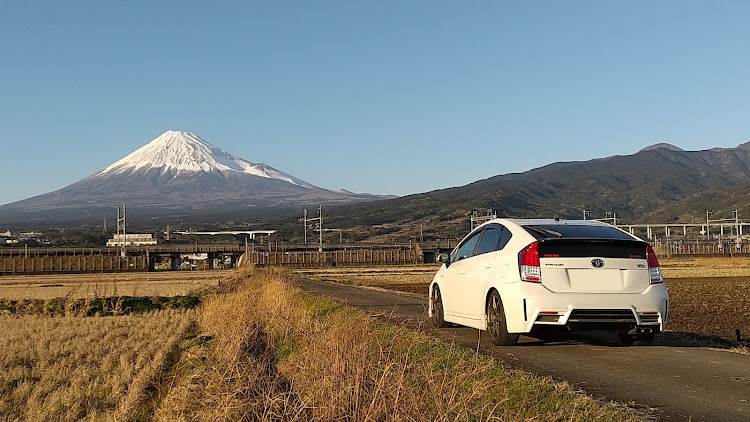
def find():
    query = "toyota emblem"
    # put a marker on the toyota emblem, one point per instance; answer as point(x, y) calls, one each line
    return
point(597, 263)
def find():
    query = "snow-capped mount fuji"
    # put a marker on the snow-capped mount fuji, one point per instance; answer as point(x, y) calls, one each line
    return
point(178, 173)
point(175, 152)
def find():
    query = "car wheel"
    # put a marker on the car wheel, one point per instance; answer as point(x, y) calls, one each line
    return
point(437, 309)
point(636, 339)
point(496, 323)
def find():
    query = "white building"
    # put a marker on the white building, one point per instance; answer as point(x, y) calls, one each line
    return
point(131, 240)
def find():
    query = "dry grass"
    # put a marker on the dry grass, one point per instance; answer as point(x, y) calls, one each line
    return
point(277, 354)
point(674, 268)
point(75, 286)
point(73, 368)
point(413, 279)
point(373, 276)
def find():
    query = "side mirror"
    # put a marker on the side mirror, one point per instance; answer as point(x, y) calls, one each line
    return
point(445, 258)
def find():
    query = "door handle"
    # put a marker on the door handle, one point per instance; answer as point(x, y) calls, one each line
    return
point(462, 272)
point(488, 265)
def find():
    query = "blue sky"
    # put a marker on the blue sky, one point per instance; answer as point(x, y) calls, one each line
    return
point(384, 97)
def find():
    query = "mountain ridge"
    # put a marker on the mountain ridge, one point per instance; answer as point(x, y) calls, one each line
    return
point(633, 186)
point(176, 172)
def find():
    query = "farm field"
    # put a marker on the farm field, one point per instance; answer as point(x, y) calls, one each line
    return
point(76, 286)
point(251, 348)
point(716, 267)
point(708, 296)
point(249, 353)
point(76, 368)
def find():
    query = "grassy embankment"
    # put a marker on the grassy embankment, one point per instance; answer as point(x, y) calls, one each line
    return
point(277, 353)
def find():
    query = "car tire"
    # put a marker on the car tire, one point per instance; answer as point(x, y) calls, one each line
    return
point(437, 309)
point(636, 339)
point(496, 322)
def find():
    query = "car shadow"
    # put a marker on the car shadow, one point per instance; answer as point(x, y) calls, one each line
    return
point(609, 339)
point(592, 338)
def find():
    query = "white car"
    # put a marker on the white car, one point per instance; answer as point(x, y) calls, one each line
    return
point(512, 276)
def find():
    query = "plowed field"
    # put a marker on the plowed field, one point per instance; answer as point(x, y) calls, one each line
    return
point(75, 286)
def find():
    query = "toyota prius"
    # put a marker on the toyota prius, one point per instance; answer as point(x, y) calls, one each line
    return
point(512, 276)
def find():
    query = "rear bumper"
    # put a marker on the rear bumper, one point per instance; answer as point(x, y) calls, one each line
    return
point(592, 311)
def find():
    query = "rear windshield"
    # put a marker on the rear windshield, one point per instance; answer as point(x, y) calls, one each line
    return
point(571, 231)
point(590, 248)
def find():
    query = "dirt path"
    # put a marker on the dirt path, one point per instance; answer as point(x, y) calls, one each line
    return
point(678, 382)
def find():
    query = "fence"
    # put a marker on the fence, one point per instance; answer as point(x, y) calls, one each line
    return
point(71, 264)
point(335, 258)
point(88, 261)
point(671, 248)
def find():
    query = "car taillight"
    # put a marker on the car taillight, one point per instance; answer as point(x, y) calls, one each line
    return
point(528, 263)
point(654, 269)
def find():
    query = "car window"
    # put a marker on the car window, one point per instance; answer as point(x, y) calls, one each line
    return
point(504, 239)
point(494, 239)
point(466, 250)
point(573, 231)
point(490, 240)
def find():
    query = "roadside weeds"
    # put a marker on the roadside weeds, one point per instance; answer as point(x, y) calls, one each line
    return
point(272, 352)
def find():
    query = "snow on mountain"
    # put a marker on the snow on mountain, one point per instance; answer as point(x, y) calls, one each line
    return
point(178, 152)
point(178, 174)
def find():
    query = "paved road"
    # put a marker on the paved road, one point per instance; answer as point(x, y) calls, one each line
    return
point(677, 382)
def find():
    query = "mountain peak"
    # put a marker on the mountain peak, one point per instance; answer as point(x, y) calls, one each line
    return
point(176, 152)
point(662, 145)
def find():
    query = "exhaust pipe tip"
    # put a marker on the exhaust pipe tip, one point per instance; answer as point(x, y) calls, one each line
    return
point(641, 330)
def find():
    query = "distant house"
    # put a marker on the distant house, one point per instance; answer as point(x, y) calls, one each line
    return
point(131, 240)
point(7, 238)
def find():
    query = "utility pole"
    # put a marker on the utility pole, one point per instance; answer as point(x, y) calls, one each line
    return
point(121, 229)
point(319, 225)
point(610, 216)
point(320, 216)
point(304, 222)
point(708, 230)
point(476, 219)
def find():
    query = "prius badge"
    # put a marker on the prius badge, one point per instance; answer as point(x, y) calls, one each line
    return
point(597, 263)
